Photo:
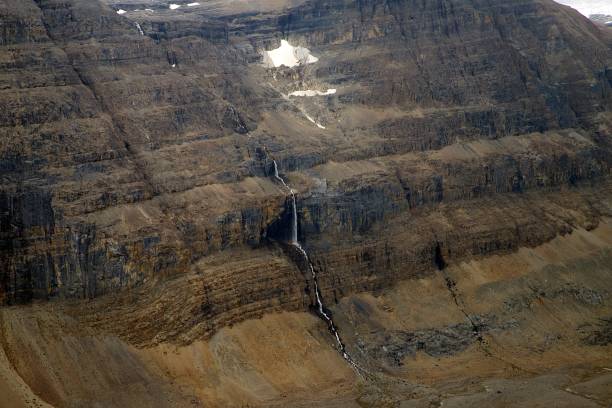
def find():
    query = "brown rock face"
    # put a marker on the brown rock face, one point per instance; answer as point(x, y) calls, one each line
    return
point(81, 143)
point(136, 150)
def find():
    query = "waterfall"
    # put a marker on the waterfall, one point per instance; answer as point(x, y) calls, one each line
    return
point(294, 220)
point(294, 224)
point(318, 298)
point(139, 29)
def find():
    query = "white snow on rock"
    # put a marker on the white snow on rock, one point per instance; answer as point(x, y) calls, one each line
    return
point(121, 11)
point(313, 93)
point(193, 4)
point(174, 6)
point(320, 126)
point(589, 7)
point(289, 56)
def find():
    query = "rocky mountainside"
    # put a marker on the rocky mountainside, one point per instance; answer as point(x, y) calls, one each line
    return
point(139, 207)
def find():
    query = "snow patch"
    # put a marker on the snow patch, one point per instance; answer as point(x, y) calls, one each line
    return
point(151, 10)
point(320, 126)
point(193, 4)
point(174, 6)
point(121, 11)
point(289, 56)
point(306, 115)
point(313, 93)
point(589, 7)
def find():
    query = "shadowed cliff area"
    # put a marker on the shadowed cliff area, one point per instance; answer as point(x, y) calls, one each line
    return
point(453, 193)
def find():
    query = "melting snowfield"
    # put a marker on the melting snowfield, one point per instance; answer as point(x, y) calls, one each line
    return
point(313, 93)
point(589, 7)
point(289, 56)
point(310, 118)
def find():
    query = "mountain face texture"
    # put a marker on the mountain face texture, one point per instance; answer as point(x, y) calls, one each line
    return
point(453, 195)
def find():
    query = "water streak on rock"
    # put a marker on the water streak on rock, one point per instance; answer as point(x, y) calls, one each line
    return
point(320, 307)
point(139, 27)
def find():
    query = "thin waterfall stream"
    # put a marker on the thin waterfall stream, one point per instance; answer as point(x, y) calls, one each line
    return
point(139, 27)
point(296, 244)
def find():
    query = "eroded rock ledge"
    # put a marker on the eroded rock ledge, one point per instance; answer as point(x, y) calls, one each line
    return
point(134, 162)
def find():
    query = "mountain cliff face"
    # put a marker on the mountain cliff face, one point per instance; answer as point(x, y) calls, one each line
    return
point(137, 155)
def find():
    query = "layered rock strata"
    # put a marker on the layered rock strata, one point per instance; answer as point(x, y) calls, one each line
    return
point(459, 129)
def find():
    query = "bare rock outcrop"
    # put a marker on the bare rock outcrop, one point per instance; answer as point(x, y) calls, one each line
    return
point(459, 129)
